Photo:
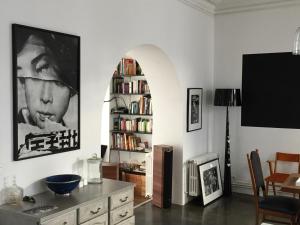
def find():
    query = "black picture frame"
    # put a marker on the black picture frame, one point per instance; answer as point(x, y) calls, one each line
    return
point(46, 92)
point(210, 181)
point(194, 109)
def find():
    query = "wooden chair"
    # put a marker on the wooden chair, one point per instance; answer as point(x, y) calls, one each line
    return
point(276, 177)
point(277, 206)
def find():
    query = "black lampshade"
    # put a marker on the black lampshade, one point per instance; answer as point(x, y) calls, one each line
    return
point(227, 97)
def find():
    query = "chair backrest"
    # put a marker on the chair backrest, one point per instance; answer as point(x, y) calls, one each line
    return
point(287, 157)
point(256, 173)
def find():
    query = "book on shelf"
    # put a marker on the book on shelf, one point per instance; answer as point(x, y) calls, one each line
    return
point(135, 125)
point(116, 123)
point(128, 66)
point(128, 142)
point(145, 125)
point(120, 86)
point(134, 107)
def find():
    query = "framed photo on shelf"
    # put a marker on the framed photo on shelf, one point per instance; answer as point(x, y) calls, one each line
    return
point(46, 90)
point(210, 181)
point(194, 109)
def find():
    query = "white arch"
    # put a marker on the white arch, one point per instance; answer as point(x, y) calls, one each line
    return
point(167, 107)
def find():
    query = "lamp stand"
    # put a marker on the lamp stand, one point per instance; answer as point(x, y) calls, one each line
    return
point(227, 163)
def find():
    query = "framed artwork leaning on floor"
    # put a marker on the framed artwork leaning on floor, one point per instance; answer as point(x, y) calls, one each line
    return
point(46, 92)
point(210, 181)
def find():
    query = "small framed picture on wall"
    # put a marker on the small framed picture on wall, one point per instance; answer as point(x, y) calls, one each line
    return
point(194, 109)
point(210, 181)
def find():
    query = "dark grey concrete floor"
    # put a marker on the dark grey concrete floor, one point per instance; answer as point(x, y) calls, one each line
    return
point(235, 210)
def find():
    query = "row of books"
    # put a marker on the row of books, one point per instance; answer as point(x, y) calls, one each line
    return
point(143, 106)
point(128, 66)
point(128, 142)
point(134, 125)
point(131, 87)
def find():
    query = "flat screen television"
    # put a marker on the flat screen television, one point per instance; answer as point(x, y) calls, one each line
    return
point(271, 90)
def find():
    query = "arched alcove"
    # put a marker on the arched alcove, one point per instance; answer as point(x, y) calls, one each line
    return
point(168, 107)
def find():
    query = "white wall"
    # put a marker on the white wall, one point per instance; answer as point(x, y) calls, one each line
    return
point(236, 34)
point(108, 30)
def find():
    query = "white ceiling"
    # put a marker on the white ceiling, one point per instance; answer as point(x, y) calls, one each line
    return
point(230, 6)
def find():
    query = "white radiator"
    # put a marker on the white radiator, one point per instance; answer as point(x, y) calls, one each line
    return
point(193, 172)
point(149, 174)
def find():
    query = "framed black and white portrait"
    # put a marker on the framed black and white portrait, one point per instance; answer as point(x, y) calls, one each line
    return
point(210, 181)
point(194, 109)
point(46, 90)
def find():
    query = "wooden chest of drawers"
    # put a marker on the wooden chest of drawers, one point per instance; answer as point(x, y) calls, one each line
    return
point(68, 218)
point(121, 207)
point(92, 210)
point(108, 203)
point(100, 220)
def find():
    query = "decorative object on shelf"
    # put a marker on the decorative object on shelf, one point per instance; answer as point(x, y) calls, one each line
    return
point(194, 109)
point(12, 194)
point(63, 184)
point(227, 97)
point(118, 109)
point(29, 199)
point(94, 165)
point(46, 89)
point(210, 181)
point(296, 49)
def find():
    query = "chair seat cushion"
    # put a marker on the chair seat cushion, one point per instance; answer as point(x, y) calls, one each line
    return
point(280, 204)
point(277, 177)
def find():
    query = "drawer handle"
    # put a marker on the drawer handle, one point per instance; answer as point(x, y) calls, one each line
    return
point(64, 223)
point(95, 212)
point(124, 199)
point(123, 215)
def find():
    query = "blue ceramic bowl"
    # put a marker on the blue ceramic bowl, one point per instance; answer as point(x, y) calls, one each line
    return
point(63, 184)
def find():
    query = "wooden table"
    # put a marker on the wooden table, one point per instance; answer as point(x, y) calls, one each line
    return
point(289, 184)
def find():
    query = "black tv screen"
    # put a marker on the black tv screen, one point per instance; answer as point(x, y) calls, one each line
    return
point(271, 90)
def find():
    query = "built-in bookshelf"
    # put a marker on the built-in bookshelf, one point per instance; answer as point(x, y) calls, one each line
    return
point(131, 120)
point(134, 150)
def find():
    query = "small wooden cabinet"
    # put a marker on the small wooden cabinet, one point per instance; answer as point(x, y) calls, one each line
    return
point(88, 205)
point(110, 170)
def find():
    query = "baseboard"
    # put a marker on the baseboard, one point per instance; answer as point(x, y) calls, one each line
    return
point(242, 187)
point(142, 203)
point(246, 188)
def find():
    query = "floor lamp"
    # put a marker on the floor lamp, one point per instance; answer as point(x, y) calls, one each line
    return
point(227, 97)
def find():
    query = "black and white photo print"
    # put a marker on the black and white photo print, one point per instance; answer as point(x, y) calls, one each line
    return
point(210, 178)
point(46, 81)
point(210, 181)
point(194, 109)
